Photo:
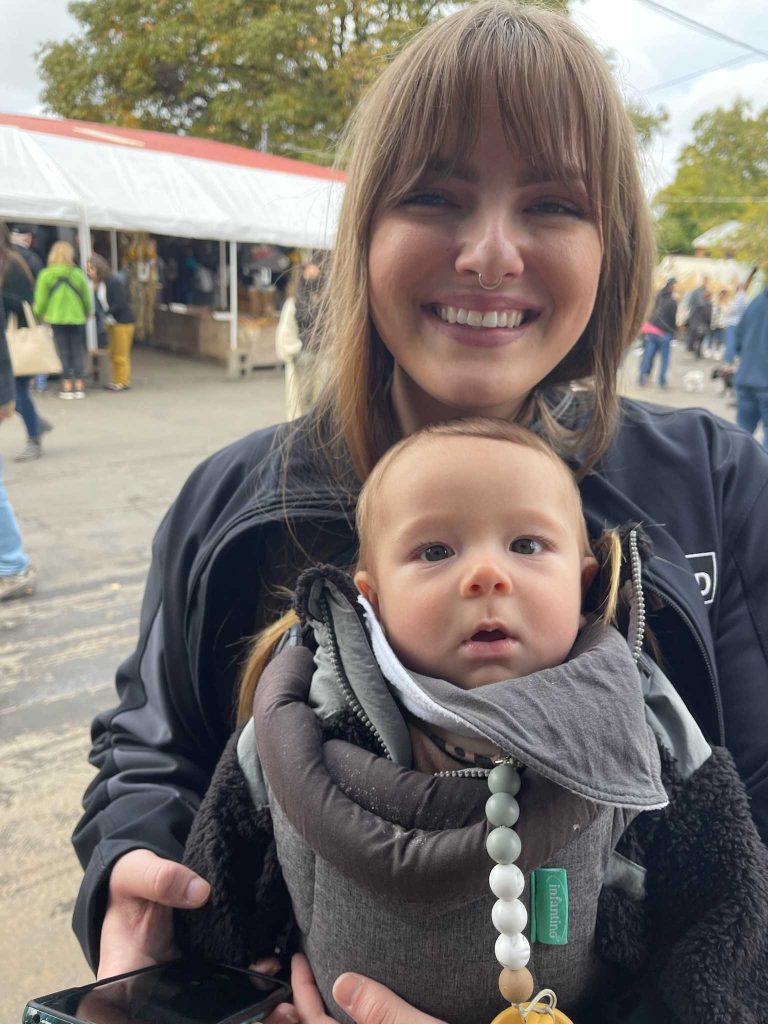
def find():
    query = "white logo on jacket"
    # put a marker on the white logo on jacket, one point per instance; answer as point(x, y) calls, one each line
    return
point(704, 565)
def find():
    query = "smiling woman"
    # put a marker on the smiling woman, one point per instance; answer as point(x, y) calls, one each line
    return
point(493, 255)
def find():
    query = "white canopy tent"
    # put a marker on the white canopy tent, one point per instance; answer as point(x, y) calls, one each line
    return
point(96, 176)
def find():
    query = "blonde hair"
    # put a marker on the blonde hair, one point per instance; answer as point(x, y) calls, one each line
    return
point(607, 547)
point(61, 253)
point(559, 106)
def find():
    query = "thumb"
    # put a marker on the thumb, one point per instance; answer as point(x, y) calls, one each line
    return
point(143, 875)
point(368, 1002)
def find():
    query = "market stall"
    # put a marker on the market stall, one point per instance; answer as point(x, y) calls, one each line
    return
point(94, 176)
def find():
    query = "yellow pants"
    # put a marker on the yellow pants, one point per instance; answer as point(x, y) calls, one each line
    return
point(120, 341)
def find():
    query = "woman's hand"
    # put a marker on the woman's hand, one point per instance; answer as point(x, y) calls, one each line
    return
point(366, 1001)
point(138, 925)
point(7, 410)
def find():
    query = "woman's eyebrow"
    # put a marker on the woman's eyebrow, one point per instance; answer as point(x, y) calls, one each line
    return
point(566, 175)
point(445, 168)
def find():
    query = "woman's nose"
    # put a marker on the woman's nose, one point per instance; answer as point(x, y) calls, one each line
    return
point(486, 577)
point(491, 247)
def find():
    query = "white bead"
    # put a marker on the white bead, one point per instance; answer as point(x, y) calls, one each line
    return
point(513, 951)
point(506, 881)
point(509, 916)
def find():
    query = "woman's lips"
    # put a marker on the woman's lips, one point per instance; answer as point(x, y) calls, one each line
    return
point(482, 337)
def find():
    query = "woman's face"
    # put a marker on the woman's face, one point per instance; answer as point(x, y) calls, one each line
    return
point(491, 216)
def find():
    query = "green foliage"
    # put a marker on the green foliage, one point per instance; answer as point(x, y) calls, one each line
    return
point(282, 74)
point(719, 177)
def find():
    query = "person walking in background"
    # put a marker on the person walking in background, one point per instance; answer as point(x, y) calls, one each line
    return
point(17, 574)
point(17, 285)
point(63, 299)
point(657, 332)
point(733, 315)
point(699, 317)
point(716, 339)
point(112, 299)
point(752, 374)
point(21, 239)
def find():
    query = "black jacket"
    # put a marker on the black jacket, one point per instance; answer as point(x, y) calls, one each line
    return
point(664, 315)
point(7, 381)
point(118, 303)
point(697, 484)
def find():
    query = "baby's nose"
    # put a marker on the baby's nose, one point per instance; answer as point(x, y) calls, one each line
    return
point(486, 577)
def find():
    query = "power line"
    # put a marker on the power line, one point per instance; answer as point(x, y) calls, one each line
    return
point(697, 74)
point(714, 199)
point(684, 20)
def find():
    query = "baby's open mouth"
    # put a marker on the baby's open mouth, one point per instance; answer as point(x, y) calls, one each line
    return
point(488, 636)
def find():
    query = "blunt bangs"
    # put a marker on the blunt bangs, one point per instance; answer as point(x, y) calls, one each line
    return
point(552, 97)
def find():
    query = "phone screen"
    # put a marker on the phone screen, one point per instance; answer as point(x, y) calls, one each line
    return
point(182, 992)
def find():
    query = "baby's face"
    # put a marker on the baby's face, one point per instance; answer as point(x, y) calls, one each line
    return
point(478, 564)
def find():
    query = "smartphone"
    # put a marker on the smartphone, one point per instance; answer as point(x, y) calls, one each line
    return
point(179, 992)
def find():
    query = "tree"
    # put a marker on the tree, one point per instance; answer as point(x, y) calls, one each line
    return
point(280, 74)
point(286, 72)
point(722, 175)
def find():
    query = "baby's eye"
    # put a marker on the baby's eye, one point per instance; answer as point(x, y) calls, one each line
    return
point(436, 553)
point(526, 546)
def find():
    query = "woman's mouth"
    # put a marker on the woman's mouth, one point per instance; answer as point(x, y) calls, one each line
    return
point(509, 318)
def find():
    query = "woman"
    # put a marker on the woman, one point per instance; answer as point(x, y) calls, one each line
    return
point(502, 189)
point(17, 284)
point(63, 299)
point(114, 305)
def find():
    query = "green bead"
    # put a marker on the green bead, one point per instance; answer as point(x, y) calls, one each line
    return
point(502, 809)
point(504, 778)
point(503, 845)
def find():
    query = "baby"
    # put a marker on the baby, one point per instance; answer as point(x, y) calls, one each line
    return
point(355, 798)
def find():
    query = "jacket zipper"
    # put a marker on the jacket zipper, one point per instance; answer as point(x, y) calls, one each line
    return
point(666, 599)
point(347, 691)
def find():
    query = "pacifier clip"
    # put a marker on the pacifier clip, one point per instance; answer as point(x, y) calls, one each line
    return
point(513, 951)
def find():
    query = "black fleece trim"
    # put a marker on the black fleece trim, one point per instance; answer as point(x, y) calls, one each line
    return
point(232, 846)
point(701, 936)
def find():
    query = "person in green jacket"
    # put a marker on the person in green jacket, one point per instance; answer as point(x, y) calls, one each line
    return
point(63, 299)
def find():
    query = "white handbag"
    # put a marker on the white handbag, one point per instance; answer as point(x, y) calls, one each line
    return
point(32, 348)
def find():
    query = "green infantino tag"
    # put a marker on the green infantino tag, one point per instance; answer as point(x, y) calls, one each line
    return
point(549, 906)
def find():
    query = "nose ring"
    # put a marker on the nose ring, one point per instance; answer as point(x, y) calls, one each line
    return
point(489, 287)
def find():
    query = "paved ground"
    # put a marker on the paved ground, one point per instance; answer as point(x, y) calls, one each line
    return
point(88, 510)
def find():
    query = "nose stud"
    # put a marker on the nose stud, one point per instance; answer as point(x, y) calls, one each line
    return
point(489, 287)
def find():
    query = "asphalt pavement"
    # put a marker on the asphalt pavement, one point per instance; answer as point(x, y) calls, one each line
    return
point(88, 510)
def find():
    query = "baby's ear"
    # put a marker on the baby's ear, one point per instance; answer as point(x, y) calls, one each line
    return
point(588, 571)
point(364, 583)
point(589, 568)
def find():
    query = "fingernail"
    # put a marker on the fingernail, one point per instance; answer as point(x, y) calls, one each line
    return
point(287, 1013)
point(266, 966)
point(346, 988)
point(197, 891)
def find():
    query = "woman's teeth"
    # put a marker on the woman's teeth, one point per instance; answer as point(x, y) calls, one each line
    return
point(474, 318)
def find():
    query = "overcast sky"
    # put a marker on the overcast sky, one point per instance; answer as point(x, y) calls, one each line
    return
point(651, 50)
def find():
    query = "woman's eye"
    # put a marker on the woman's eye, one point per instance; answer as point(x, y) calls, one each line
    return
point(435, 553)
point(526, 546)
point(559, 207)
point(425, 198)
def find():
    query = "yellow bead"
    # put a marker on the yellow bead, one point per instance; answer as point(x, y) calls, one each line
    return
point(516, 986)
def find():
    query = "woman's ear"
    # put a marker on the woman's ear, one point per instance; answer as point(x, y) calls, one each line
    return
point(364, 583)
